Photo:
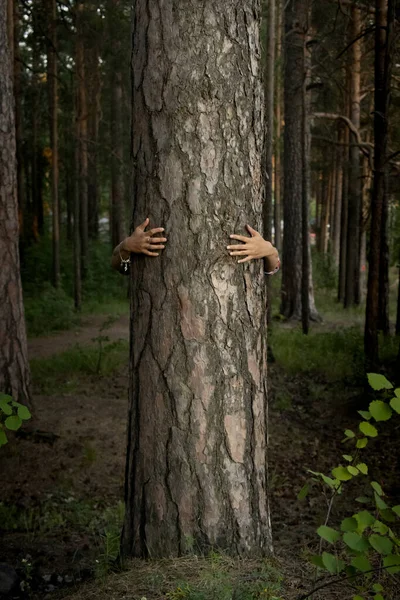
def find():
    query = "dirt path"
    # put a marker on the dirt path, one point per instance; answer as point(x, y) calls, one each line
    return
point(48, 345)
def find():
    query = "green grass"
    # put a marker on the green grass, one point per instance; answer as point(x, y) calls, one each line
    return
point(215, 577)
point(65, 371)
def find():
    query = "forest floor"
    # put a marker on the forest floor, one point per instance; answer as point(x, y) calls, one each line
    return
point(62, 484)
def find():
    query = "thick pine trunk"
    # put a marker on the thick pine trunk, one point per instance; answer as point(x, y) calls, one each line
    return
point(196, 464)
point(14, 366)
point(117, 174)
point(269, 82)
point(295, 28)
point(384, 15)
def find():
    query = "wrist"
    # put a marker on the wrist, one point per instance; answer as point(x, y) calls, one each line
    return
point(123, 249)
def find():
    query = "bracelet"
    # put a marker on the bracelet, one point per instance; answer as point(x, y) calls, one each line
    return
point(278, 266)
point(124, 261)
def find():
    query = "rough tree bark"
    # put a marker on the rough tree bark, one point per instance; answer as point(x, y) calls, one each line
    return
point(14, 366)
point(196, 464)
point(269, 82)
point(338, 196)
point(384, 15)
point(278, 132)
point(296, 12)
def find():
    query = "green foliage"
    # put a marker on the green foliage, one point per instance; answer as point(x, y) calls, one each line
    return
point(51, 310)
point(366, 543)
point(12, 415)
point(325, 272)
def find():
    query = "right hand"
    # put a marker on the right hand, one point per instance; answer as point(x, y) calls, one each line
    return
point(143, 242)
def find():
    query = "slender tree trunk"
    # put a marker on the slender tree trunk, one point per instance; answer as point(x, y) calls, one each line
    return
point(305, 296)
point(324, 218)
point(196, 467)
point(52, 81)
point(18, 123)
point(83, 136)
point(345, 202)
point(352, 294)
point(398, 303)
point(93, 93)
point(295, 28)
point(77, 207)
point(384, 323)
point(269, 81)
point(117, 175)
point(14, 366)
point(278, 131)
point(338, 198)
point(384, 14)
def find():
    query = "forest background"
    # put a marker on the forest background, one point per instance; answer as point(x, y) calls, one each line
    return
point(331, 207)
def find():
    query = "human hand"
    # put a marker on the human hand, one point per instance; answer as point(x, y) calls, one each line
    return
point(143, 242)
point(253, 247)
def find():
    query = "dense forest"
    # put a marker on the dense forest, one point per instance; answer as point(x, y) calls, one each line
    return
point(178, 432)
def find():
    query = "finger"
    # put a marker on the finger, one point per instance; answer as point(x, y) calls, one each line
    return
point(155, 247)
point(243, 260)
point(237, 247)
point(148, 253)
point(155, 230)
point(144, 224)
point(240, 253)
point(241, 238)
point(158, 240)
point(252, 231)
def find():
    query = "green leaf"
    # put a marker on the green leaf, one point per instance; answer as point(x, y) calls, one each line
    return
point(303, 492)
point(331, 482)
point(3, 438)
point(396, 509)
point(317, 561)
point(5, 397)
point(368, 429)
point(377, 487)
point(397, 392)
point(348, 457)
point(24, 413)
point(5, 406)
point(377, 587)
point(363, 500)
point(331, 563)
point(349, 434)
point(378, 597)
point(358, 598)
point(392, 563)
point(355, 541)
point(379, 382)
point(353, 470)
point(361, 443)
point(328, 534)
point(380, 527)
point(365, 414)
point(361, 563)
point(388, 515)
point(341, 473)
point(364, 520)
point(380, 410)
point(362, 467)
point(395, 404)
point(349, 524)
point(381, 544)
point(381, 504)
point(13, 423)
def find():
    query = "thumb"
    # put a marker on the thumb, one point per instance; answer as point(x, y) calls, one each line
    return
point(144, 224)
point(252, 231)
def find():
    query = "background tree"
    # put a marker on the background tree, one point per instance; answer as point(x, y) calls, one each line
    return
point(14, 367)
point(196, 467)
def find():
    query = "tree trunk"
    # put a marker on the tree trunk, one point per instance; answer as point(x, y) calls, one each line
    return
point(14, 366)
point(196, 466)
point(345, 204)
point(338, 197)
point(83, 136)
point(52, 82)
point(269, 82)
point(398, 303)
point(18, 122)
point(278, 132)
point(352, 294)
point(76, 207)
point(305, 234)
point(117, 175)
point(93, 94)
point(295, 28)
point(384, 15)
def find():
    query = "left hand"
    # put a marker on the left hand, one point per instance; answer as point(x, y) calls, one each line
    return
point(253, 247)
